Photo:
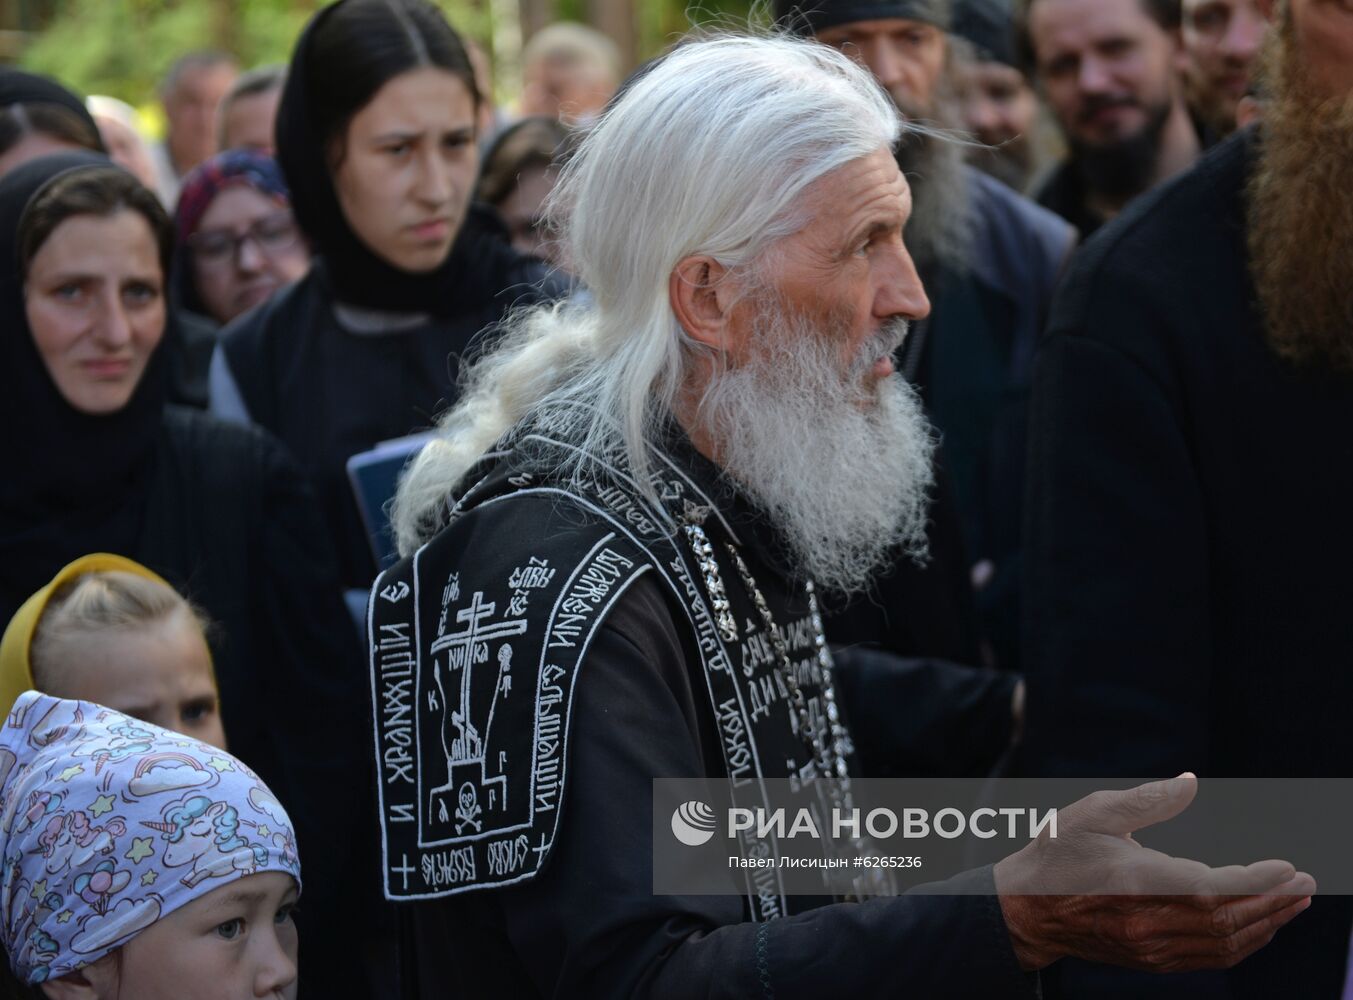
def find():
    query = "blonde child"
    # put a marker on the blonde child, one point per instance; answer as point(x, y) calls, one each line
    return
point(110, 631)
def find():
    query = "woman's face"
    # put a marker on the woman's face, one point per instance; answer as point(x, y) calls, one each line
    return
point(94, 296)
point(407, 166)
point(246, 247)
point(238, 942)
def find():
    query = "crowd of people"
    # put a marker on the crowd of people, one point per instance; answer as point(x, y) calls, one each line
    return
point(912, 388)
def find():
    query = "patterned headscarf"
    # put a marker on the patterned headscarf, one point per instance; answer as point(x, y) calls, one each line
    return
point(108, 824)
point(245, 167)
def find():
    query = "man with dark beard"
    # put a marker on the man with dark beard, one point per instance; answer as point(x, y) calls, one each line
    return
point(1110, 72)
point(1000, 106)
point(611, 558)
point(1190, 477)
point(1221, 40)
point(989, 259)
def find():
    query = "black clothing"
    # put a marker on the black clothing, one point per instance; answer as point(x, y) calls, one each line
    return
point(328, 392)
point(190, 350)
point(908, 646)
point(639, 657)
point(70, 476)
point(222, 514)
point(1189, 531)
point(1064, 191)
point(18, 87)
point(989, 25)
point(808, 17)
point(972, 360)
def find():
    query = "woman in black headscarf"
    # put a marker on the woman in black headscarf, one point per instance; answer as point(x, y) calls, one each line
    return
point(38, 116)
point(376, 136)
point(97, 461)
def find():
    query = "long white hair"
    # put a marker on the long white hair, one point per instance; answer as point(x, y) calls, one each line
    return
point(707, 153)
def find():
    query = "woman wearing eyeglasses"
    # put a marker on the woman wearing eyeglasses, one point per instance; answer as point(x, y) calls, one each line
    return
point(237, 241)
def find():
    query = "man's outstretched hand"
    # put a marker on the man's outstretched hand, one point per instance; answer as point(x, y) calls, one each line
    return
point(1093, 892)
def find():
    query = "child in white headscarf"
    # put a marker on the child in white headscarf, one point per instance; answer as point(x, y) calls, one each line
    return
point(139, 862)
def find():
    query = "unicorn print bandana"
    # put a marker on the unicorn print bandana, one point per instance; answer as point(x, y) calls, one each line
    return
point(108, 824)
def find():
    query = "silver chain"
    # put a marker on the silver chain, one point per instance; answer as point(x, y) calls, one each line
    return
point(830, 748)
point(709, 569)
point(828, 754)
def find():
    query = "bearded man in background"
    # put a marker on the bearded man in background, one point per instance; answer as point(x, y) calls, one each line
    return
point(990, 260)
point(1190, 485)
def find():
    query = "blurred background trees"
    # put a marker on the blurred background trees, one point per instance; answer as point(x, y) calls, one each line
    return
point(123, 47)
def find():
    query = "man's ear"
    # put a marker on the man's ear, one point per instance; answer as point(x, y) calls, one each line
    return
point(701, 300)
point(93, 982)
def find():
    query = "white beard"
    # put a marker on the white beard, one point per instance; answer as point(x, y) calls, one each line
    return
point(842, 471)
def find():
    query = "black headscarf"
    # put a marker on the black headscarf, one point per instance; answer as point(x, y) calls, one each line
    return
point(71, 478)
point(990, 26)
point(808, 17)
point(18, 87)
point(359, 276)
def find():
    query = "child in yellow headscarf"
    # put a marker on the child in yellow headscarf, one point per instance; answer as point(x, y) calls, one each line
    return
point(108, 630)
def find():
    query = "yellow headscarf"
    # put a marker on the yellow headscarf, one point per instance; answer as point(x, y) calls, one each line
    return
point(16, 670)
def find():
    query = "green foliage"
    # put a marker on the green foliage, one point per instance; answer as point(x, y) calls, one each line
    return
point(661, 24)
point(124, 47)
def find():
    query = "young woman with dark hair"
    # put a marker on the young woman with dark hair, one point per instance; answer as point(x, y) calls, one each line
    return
point(96, 460)
point(376, 137)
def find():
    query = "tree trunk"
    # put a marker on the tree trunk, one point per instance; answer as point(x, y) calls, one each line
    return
point(535, 14)
point(616, 19)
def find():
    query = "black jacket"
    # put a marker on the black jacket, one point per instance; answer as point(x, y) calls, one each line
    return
point(329, 393)
point(640, 681)
point(223, 515)
point(1189, 531)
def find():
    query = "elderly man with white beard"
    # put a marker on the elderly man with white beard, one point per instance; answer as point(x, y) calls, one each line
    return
point(633, 495)
point(990, 260)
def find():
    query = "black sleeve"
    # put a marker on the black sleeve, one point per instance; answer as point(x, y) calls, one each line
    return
point(591, 926)
point(318, 702)
point(924, 718)
point(917, 610)
point(1118, 649)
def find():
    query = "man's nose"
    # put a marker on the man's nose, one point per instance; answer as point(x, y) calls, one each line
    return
point(900, 291)
point(1094, 77)
point(888, 66)
point(1245, 34)
point(982, 116)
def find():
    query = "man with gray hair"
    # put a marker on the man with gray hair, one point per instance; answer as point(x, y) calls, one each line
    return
point(191, 92)
point(990, 260)
point(247, 118)
point(637, 493)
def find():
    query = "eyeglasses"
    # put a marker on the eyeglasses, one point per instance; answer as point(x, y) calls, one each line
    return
point(271, 234)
